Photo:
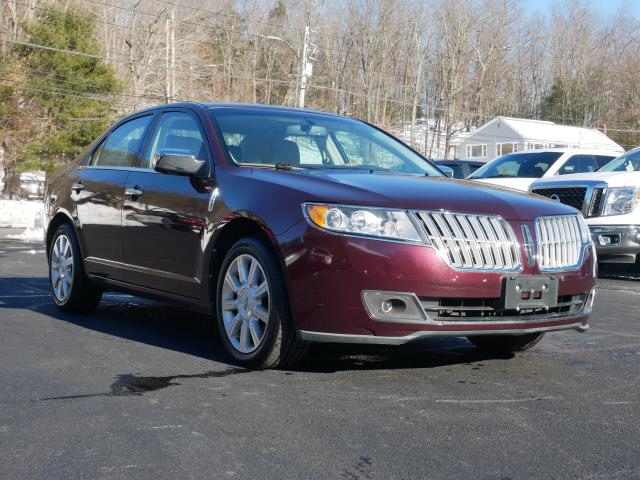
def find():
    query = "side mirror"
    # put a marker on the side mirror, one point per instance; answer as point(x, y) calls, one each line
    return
point(446, 170)
point(178, 162)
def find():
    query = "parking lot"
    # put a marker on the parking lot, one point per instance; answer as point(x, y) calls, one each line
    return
point(142, 390)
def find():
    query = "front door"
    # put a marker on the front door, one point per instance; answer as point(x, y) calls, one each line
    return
point(98, 192)
point(164, 216)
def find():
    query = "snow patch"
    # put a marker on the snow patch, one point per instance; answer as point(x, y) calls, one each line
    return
point(23, 214)
point(19, 213)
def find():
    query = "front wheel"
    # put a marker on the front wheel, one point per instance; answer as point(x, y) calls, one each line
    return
point(506, 343)
point(252, 308)
point(72, 290)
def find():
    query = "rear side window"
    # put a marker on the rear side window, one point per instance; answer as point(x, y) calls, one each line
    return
point(176, 131)
point(526, 165)
point(120, 149)
point(578, 164)
point(602, 160)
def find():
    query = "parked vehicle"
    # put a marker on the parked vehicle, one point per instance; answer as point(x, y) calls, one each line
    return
point(448, 171)
point(32, 184)
point(519, 170)
point(608, 199)
point(461, 168)
point(293, 226)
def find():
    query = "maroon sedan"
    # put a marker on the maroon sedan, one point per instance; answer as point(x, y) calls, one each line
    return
point(292, 226)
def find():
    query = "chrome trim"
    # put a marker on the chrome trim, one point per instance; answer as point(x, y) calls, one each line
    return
point(529, 246)
point(140, 269)
point(108, 167)
point(324, 337)
point(399, 318)
point(471, 241)
point(560, 247)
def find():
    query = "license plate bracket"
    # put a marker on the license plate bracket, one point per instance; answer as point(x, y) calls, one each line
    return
point(530, 292)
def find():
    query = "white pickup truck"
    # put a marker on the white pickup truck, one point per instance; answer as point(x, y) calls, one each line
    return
point(519, 170)
point(608, 199)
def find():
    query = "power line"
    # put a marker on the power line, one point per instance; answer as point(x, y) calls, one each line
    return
point(322, 87)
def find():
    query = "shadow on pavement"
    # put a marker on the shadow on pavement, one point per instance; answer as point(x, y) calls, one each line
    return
point(181, 330)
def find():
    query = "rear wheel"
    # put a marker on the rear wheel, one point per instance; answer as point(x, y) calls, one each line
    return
point(252, 308)
point(72, 290)
point(506, 343)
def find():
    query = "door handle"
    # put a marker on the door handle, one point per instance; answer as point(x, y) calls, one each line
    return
point(133, 192)
point(77, 187)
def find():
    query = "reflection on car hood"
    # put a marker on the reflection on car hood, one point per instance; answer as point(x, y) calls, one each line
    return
point(518, 183)
point(410, 192)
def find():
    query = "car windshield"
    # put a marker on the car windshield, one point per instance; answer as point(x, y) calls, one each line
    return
point(309, 140)
point(526, 165)
point(628, 162)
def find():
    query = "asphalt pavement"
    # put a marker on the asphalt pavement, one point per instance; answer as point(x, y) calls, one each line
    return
point(143, 390)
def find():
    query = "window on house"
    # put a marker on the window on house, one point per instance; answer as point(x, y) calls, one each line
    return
point(504, 148)
point(477, 151)
point(536, 146)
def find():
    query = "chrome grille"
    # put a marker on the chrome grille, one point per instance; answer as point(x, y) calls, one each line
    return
point(473, 242)
point(596, 200)
point(559, 242)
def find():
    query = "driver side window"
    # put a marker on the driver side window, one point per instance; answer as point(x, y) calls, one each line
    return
point(176, 131)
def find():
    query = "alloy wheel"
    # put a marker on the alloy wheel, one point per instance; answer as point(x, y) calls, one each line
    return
point(245, 303)
point(61, 268)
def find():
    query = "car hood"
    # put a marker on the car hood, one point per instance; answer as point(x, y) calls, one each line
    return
point(517, 183)
point(613, 179)
point(410, 192)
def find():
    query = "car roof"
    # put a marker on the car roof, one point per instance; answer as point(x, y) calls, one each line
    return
point(256, 106)
point(583, 151)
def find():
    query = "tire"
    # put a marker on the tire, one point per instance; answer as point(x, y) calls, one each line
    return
point(506, 343)
point(252, 308)
point(70, 287)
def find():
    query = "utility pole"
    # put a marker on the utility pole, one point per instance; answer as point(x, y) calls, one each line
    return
point(170, 60)
point(306, 68)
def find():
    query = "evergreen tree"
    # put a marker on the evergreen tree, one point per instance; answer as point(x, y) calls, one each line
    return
point(72, 93)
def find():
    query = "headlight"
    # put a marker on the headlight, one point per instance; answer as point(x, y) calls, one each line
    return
point(621, 200)
point(364, 221)
point(585, 233)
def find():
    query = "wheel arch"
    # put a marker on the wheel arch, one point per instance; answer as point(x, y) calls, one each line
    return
point(232, 231)
point(58, 219)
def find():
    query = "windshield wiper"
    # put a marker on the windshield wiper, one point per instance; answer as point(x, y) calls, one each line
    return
point(283, 166)
point(496, 176)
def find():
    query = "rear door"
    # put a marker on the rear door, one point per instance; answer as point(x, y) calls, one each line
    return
point(98, 193)
point(164, 216)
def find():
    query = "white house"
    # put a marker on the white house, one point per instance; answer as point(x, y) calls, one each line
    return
point(504, 135)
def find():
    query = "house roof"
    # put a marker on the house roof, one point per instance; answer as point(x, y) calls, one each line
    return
point(542, 131)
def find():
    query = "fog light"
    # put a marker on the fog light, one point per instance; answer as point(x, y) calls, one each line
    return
point(393, 306)
point(604, 240)
point(386, 306)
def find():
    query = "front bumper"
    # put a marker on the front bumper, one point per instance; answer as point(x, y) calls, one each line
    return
point(616, 242)
point(327, 275)
point(323, 337)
